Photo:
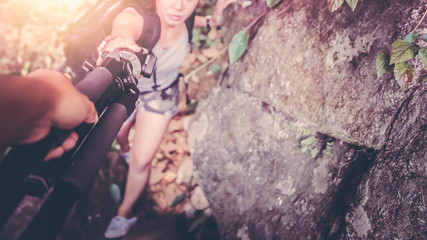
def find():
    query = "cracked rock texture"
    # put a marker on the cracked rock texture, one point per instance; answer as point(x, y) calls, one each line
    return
point(301, 140)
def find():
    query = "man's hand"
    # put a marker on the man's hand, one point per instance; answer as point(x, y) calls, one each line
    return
point(43, 99)
point(70, 109)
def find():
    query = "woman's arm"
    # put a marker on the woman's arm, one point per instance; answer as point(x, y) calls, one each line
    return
point(128, 24)
point(127, 28)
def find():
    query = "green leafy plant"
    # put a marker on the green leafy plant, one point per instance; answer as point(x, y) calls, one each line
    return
point(333, 5)
point(239, 42)
point(402, 51)
point(179, 199)
point(215, 67)
point(238, 46)
point(397, 59)
point(309, 145)
point(272, 3)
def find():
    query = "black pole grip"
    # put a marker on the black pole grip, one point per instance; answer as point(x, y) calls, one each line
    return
point(95, 83)
point(78, 176)
point(90, 156)
point(23, 159)
point(53, 213)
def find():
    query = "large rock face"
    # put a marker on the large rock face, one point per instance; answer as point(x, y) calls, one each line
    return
point(300, 140)
point(391, 199)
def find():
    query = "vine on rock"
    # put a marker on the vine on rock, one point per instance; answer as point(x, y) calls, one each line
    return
point(397, 60)
point(239, 42)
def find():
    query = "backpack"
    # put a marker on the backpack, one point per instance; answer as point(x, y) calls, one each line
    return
point(83, 36)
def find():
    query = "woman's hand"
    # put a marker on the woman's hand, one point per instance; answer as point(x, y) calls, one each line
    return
point(111, 43)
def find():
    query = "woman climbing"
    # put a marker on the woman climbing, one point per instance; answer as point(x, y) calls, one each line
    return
point(158, 101)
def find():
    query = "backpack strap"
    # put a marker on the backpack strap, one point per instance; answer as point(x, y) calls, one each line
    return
point(152, 28)
point(150, 32)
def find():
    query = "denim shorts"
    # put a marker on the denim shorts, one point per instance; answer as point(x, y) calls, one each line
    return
point(163, 102)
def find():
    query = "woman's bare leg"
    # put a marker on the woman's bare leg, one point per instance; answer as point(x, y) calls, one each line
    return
point(123, 136)
point(149, 130)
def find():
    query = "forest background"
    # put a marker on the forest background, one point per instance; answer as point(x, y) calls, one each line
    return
point(32, 38)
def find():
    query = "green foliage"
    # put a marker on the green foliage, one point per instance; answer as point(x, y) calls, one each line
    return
point(25, 68)
point(238, 46)
point(328, 149)
point(115, 193)
point(411, 37)
point(31, 33)
point(212, 42)
point(202, 40)
point(334, 5)
point(198, 37)
point(381, 64)
point(215, 67)
point(402, 50)
point(403, 72)
point(179, 199)
point(239, 43)
point(192, 105)
point(352, 4)
point(309, 144)
point(272, 3)
point(422, 54)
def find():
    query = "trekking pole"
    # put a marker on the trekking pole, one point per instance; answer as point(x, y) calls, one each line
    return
point(22, 160)
point(78, 177)
point(113, 87)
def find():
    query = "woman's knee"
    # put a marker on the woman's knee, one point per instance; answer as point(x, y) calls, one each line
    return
point(140, 161)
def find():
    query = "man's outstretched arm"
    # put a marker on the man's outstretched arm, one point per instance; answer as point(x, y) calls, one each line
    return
point(31, 105)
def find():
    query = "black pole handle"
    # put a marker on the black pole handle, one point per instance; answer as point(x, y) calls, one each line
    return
point(76, 179)
point(18, 163)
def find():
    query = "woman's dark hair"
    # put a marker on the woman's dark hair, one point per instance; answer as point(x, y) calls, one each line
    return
point(149, 5)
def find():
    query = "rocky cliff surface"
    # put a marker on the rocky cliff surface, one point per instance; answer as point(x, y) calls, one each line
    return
point(300, 139)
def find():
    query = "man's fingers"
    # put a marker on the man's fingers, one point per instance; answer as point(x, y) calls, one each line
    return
point(92, 115)
point(74, 136)
point(70, 142)
point(54, 153)
point(67, 145)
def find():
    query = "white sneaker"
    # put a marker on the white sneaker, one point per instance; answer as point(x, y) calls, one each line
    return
point(119, 226)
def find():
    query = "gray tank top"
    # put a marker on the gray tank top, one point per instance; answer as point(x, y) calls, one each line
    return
point(168, 63)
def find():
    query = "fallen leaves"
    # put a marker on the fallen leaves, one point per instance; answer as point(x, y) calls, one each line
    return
point(171, 176)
